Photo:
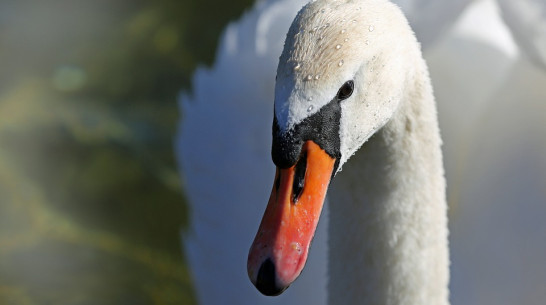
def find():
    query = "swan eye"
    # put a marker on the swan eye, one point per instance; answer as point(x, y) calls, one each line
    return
point(345, 91)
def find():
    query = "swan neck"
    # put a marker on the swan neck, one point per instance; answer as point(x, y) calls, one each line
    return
point(388, 224)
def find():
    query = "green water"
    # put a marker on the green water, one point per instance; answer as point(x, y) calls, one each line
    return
point(91, 207)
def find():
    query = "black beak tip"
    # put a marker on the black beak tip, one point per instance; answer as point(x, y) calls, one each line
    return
point(266, 281)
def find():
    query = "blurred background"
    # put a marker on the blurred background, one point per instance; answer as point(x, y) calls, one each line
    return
point(107, 108)
point(91, 207)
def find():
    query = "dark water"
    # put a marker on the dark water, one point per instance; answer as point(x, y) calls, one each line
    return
point(91, 207)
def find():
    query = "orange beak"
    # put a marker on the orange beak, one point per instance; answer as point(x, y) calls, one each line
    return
point(279, 251)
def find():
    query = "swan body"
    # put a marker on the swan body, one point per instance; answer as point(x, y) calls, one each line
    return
point(388, 224)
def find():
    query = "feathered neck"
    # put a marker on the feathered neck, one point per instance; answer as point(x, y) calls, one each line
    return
point(388, 224)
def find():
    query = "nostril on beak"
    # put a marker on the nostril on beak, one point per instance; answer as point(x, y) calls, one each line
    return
point(267, 279)
point(299, 178)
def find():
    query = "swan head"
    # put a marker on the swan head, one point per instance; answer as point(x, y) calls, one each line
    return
point(340, 78)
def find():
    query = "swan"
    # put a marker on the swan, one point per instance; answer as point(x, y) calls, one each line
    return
point(239, 168)
point(353, 92)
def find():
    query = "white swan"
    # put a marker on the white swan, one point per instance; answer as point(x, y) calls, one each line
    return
point(226, 103)
point(351, 70)
point(222, 103)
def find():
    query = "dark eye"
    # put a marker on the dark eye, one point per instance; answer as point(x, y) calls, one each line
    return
point(346, 90)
